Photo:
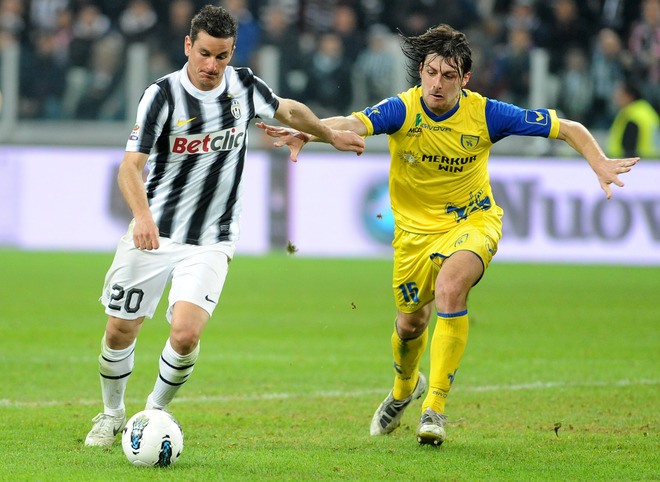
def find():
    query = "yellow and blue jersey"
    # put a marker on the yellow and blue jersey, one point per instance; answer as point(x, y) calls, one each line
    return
point(439, 165)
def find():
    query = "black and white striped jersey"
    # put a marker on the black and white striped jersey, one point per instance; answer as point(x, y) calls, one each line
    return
point(197, 141)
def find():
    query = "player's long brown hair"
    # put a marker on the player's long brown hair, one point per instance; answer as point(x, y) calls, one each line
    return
point(443, 41)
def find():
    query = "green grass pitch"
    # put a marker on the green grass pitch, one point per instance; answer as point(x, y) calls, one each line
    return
point(297, 357)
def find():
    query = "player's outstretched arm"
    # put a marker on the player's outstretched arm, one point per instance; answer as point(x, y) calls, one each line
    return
point(579, 138)
point(300, 117)
point(296, 139)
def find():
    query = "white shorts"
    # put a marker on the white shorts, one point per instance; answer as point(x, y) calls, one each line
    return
point(137, 278)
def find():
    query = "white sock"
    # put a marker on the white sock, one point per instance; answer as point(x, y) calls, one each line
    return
point(173, 371)
point(115, 366)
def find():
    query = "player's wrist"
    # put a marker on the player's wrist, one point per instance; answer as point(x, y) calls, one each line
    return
point(144, 218)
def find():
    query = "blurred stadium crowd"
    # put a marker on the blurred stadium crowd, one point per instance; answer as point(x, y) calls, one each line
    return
point(334, 54)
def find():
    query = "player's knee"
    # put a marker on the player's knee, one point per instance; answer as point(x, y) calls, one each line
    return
point(411, 325)
point(449, 294)
point(184, 342)
point(120, 334)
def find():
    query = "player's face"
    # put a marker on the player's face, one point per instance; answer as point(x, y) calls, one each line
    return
point(207, 59)
point(441, 84)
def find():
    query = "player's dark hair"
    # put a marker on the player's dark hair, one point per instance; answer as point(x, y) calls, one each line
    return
point(215, 21)
point(631, 88)
point(443, 41)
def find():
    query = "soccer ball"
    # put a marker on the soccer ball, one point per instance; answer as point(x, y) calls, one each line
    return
point(152, 438)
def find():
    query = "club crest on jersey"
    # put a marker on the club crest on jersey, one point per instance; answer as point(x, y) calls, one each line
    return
point(236, 109)
point(224, 140)
point(469, 142)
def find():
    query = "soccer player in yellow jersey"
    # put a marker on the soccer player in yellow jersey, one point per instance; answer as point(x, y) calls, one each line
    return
point(447, 223)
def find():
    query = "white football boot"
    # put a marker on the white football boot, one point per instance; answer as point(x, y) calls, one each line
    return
point(105, 429)
point(389, 413)
point(431, 428)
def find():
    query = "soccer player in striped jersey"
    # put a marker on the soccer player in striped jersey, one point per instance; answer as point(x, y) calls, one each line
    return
point(191, 130)
point(447, 222)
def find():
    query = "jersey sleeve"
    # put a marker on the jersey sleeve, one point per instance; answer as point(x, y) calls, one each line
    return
point(265, 101)
point(386, 117)
point(150, 119)
point(510, 120)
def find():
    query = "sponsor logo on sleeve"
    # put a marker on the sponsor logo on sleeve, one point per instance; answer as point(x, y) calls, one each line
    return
point(536, 117)
point(134, 133)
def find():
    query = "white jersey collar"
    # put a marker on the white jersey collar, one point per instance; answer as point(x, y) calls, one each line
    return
point(203, 95)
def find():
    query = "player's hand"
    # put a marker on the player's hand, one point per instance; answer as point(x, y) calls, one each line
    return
point(348, 141)
point(292, 138)
point(608, 172)
point(145, 235)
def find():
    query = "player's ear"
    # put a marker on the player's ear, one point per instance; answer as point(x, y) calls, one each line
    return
point(466, 77)
point(187, 45)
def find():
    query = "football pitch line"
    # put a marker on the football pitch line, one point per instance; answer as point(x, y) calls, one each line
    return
point(339, 393)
